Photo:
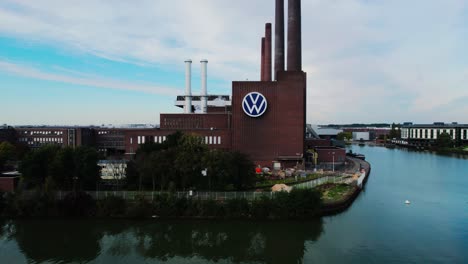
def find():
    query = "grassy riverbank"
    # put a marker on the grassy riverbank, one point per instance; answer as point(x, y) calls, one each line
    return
point(333, 193)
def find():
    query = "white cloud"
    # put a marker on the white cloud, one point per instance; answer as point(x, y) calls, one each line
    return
point(84, 79)
point(392, 60)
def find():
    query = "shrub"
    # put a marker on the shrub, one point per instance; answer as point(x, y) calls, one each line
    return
point(78, 204)
point(282, 205)
point(140, 208)
point(111, 206)
point(304, 203)
point(261, 207)
point(237, 208)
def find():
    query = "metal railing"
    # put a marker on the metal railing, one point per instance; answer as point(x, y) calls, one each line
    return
point(220, 196)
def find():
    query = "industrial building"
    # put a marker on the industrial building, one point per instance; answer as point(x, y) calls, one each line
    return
point(426, 134)
point(264, 119)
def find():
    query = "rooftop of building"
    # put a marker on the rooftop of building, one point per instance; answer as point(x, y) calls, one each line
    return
point(435, 125)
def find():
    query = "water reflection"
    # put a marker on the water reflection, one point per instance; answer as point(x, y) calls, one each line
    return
point(82, 241)
point(60, 242)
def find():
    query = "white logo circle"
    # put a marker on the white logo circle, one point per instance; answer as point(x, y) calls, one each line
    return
point(254, 104)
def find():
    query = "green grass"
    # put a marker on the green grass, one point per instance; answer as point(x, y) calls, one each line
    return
point(335, 192)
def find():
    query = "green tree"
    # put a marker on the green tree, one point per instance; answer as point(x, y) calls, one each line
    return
point(395, 131)
point(444, 140)
point(7, 153)
point(241, 170)
point(188, 161)
point(66, 167)
point(62, 168)
point(344, 136)
point(132, 175)
point(87, 172)
point(216, 161)
point(35, 165)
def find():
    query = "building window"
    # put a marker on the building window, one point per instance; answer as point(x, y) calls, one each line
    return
point(219, 140)
point(131, 140)
point(139, 140)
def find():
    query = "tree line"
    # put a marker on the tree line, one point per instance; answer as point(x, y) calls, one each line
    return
point(177, 164)
point(53, 167)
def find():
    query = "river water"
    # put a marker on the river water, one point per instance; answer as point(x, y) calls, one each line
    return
point(377, 228)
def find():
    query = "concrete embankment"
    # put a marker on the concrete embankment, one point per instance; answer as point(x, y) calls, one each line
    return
point(343, 204)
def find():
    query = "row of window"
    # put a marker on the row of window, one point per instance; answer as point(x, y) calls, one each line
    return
point(183, 122)
point(210, 140)
point(105, 132)
point(432, 133)
point(42, 133)
point(142, 139)
point(41, 140)
point(213, 140)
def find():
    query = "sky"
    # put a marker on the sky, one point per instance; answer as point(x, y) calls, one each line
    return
point(92, 62)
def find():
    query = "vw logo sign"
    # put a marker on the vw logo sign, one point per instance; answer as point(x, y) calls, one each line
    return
point(254, 104)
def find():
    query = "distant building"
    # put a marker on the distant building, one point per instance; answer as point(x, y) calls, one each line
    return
point(9, 181)
point(113, 170)
point(8, 134)
point(325, 132)
point(427, 134)
point(358, 136)
point(35, 137)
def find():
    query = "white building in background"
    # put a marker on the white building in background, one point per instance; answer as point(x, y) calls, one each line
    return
point(361, 136)
point(427, 134)
point(113, 169)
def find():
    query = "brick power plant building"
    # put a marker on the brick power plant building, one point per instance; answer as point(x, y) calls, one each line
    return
point(264, 119)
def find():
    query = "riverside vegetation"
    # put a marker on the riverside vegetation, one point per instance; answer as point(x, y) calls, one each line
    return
point(173, 165)
point(298, 204)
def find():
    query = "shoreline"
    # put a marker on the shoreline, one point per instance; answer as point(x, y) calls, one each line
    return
point(340, 206)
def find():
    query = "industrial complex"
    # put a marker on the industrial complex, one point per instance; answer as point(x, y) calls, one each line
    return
point(264, 119)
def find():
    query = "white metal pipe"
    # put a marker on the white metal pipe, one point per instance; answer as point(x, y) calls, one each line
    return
point(204, 92)
point(188, 87)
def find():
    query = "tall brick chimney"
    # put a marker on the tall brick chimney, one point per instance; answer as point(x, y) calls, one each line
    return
point(262, 62)
point(268, 55)
point(294, 36)
point(279, 37)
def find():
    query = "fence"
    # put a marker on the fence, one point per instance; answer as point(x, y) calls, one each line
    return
point(321, 181)
point(149, 195)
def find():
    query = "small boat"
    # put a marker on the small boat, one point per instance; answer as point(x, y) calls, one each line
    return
point(407, 202)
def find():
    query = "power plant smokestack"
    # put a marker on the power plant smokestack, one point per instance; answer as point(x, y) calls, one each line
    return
point(268, 52)
point(262, 63)
point(188, 87)
point(294, 36)
point(204, 93)
point(279, 37)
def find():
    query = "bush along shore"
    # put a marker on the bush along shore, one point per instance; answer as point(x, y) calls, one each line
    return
point(297, 204)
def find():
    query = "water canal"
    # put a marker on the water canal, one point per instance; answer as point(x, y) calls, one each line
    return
point(378, 228)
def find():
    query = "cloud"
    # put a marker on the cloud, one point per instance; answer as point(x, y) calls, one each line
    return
point(392, 60)
point(82, 79)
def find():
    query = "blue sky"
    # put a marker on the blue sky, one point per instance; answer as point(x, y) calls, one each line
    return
point(118, 62)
